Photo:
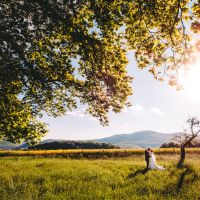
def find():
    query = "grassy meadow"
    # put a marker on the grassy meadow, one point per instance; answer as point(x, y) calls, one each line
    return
point(24, 178)
point(93, 153)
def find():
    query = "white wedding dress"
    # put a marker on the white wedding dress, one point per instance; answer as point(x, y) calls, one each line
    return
point(152, 162)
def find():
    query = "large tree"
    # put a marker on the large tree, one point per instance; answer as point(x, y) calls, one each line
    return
point(58, 54)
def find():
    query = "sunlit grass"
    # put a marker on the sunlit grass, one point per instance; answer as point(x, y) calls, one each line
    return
point(59, 178)
point(93, 152)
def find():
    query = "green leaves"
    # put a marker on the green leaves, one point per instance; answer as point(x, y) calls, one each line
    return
point(18, 123)
point(56, 55)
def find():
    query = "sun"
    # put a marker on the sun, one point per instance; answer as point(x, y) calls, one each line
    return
point(189, 76)
point(190, 79)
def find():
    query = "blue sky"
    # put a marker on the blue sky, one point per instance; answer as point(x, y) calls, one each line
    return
point(156, 106)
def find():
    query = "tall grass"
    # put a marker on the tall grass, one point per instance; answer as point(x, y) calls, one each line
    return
point(24, 178)
point(93, 153)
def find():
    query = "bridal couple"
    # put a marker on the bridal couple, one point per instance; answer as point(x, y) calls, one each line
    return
point(151, 160)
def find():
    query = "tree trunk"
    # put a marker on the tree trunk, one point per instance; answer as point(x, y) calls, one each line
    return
point(182, 158)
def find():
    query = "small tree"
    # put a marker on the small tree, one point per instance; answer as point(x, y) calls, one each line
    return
point(189, 135)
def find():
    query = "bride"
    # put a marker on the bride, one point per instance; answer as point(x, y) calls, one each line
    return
point(152, 162)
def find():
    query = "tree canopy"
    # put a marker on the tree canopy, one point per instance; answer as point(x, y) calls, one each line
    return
point(58, 54)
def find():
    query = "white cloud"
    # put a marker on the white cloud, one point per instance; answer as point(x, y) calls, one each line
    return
point(136, 109)
point(81, 114)
point(157, 111)
point(76, 114)
point(93, 118)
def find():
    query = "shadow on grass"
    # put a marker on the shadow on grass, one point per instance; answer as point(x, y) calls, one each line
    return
point(186, 172)
point(185, 177)
point(182, 178)
point(138, 172)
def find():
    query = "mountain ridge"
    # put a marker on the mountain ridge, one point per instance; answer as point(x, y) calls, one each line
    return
point(139, 139)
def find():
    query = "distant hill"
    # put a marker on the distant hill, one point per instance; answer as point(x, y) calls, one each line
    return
point(66, 144)
point(141, 139)
point(7, 145)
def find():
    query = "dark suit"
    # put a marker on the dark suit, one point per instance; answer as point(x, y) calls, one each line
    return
point(147, 156)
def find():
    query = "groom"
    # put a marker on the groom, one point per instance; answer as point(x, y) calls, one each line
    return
point(147, 156)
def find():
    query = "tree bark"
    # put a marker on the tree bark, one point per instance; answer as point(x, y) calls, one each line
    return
point(182, 158)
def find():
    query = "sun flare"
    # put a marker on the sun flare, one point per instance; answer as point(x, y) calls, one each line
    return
point(190, 79)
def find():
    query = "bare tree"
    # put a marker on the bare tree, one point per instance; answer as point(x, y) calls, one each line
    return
point(189, 135)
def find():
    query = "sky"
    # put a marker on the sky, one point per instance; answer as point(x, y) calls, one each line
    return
point(155, 106)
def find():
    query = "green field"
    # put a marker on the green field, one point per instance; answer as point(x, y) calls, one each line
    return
point(24, 178)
